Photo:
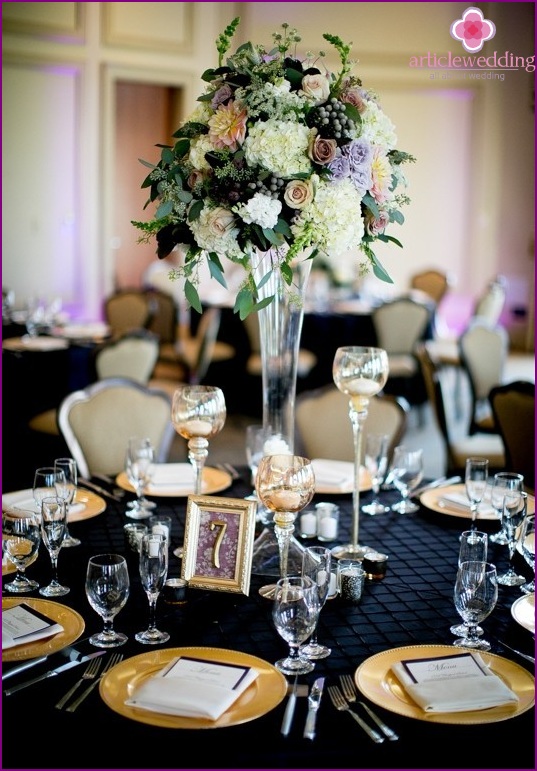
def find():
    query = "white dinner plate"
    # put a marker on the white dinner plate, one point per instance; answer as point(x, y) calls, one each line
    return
point(86, 505)
point(177, 479)
point(523, 611)
point(438, 499)
point(336, 477)
point(28, 343)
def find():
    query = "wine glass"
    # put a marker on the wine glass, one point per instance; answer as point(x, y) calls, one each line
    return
point(53, 516)
point(285, 484)
point(260, 441)
point(360, 373)
point(475, 596)
point(502, 481)
point(527, 547)
point(66, 489)
point(473, 547)
point(139, 466)
point(376, 462)
point(515, 507)
point(45, 480)
point(295, 612)
point(407, 468)
point(21, 537)
point(316, 564)
point(198, 414)
point(153, 572)
point(475, 479)
point(107, 589)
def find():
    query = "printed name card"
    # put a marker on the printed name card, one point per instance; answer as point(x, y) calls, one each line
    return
point(22, 624)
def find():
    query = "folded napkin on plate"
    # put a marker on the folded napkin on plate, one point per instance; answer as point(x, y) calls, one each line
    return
point(461, 502)
point(22, 624)
point(190, 687)
point(172, 476)
point(21, 508)
point(332, 473)
point(460, 683)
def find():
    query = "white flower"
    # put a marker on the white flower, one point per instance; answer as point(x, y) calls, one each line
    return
point(198, 148)
point(215, 231)
point(378, 128)
point(260, 210)
point(278, 146)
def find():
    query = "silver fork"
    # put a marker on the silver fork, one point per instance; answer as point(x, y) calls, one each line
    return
point(89, 674)
point(339, 702)
point(115, 659)
point(349, 689)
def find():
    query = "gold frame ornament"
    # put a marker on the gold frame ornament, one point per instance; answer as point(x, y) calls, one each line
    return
point(218, 543)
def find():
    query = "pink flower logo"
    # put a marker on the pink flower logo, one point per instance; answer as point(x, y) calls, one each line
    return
point(472, 30)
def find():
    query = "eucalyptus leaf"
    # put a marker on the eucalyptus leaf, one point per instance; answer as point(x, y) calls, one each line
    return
point(192, 296)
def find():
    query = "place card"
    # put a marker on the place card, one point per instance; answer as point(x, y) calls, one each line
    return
point(22, 624)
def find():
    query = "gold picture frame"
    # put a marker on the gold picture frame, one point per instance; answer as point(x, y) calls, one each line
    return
point(218, 543)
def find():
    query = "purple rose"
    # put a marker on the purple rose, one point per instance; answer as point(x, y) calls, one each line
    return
point(358, 152)
point(339, 167)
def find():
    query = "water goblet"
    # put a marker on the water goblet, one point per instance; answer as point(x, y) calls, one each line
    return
point(316, 564)
point(376, 462)
point(407, 468)
point(475, 480)
point(360, 373)
point(475, 596)
point(502, 481)
point(107, 589)
point(66, 489)
point(21, 537)
point(138, 466)
point(473, 546)
point(295, 611)
point(53, 517)
point(526, 542)
point(198, 414)
point(153, 571)
point(515, 507)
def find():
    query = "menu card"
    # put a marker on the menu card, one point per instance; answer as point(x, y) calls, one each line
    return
point(191, 687)
point(22, 624)
point(457, 683)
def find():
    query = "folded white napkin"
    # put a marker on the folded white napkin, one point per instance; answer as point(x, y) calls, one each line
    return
point(22, 625)
point(332, 473)
point(191, 687)
point(460, 501)
point(21, 508)
point(459, 683)
point(171, 476)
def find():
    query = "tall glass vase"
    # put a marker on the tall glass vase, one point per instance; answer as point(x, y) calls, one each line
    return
point(280, 326)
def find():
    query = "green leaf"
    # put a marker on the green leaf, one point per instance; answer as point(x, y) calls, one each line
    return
point(244, 302)
point(167, 156)
point(181, 147)
point(264, 280)
point(287, 273)
point(294, 76)
point(352, 113)
point(388, 239)
point(147, 163)
point(164, 210)
point(192, 296)
point(215, 269)
point(274, 238)
point(184, 196)
point(371, 204)
point(195, 211)
point(397, 216)
point(282, 227)
point(379, 271)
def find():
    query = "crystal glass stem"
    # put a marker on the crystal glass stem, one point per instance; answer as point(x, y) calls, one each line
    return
point(197, 455)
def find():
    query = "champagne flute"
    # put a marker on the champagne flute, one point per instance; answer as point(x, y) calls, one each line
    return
point(21, 537)
point(316, 564)
point(198, 414)
point(66, 489)
point(376, 462)
point(475, 480)
point(138, 466)
point(407, 471)
point(295, 611)
point(360, 373)
point(515, 507)
point(473, 547)
point(527, 547)
point(45, 480)
point(502, 481)
point(107, 589)
point(53, 516)
point(153, 571)
point(475, 596)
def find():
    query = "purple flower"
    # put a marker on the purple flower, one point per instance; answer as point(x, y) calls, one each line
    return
point(339, 167)
point(361, 179)
point(358, 152)
point(221, 96)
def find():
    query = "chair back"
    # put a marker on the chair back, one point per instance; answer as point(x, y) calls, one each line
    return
point(323, 426)
point(513, 408)
point(400, 324)
point(434, 283)
point(490, 305)
point(306, 360)
point(128, 309)
point(133, 355)
point(165, 315)
point(97, 422)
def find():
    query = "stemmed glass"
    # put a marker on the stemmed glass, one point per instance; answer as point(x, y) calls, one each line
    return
point(295, 612)
point(515, 507)
point(139, 466)
point(153, 572)
point(475, 479)
point(502, 481)
point(66, 489)
point(376, 462)
point(407, 468)
point(527, 547)
point(198, 414)
point(285, 484)
point(260, 441)
point(475, 596)
point(316, 564)
point(53, 517)
point(360, 373)
point(473, 548)
point(21, 537)
point(107, 589)
point(45, 480)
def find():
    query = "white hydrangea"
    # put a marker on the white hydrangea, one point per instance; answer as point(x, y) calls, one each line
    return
point(201, 113)
point(278, 146)
point(198, 147)
point(378, 128)
point(215, 231)
point(260, 210)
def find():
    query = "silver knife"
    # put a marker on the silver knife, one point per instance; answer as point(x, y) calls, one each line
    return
point(68, 652)
point(314, 700)
point(53, 672)
point(442, 482)
point(99, 490)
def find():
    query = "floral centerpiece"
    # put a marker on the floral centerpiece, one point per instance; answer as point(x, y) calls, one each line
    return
point(281, 155)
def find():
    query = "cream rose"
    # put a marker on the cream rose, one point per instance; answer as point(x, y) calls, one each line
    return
point(299, 193)
point(316, 87)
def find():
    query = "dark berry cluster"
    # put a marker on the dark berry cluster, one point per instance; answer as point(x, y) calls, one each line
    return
point(332, 121)
point(271, 186)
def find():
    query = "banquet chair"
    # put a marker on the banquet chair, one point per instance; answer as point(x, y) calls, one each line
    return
point(483, 353)
point(435, 283)
point(97, 422)
point(128, 309)
point(458, 445)
point(323, 427)
point(490, 304)
point(513, 409)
